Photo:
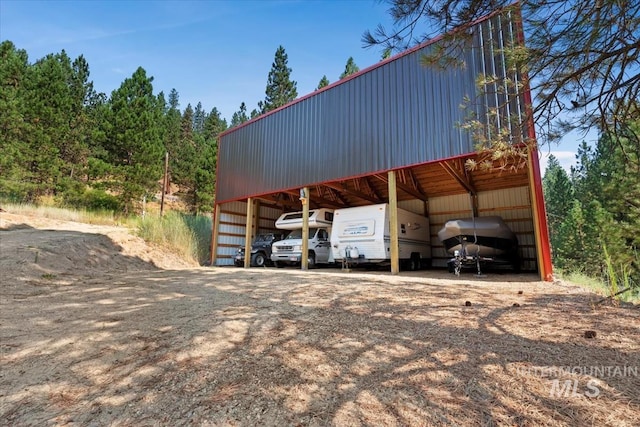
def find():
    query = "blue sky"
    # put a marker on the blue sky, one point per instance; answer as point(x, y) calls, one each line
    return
point(215, 52)
point(218, 53)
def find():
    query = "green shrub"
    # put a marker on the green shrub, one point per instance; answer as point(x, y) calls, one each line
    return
point(90, 199)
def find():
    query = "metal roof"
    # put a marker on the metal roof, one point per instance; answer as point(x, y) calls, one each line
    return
point(395, 114)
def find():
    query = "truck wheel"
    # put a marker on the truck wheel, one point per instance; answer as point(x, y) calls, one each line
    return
point(311, 261)
point(258, 259)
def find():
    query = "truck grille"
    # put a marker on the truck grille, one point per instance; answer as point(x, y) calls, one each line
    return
point(285, 248)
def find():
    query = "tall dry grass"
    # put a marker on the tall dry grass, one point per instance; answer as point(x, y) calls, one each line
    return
point(186, 235)
point(65, 214)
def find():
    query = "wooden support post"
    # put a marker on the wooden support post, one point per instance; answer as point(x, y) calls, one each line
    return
point(304, 198)
point(248, 234)
point(213, 258)
point(393, 223)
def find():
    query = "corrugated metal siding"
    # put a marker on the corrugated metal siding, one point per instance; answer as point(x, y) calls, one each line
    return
point(268, 217)
point(390, 116)
point(512, 204)
point(233, 220)
point(233, 226)
point(414, 205)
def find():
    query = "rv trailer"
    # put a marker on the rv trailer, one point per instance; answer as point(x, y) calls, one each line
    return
point(360, 236)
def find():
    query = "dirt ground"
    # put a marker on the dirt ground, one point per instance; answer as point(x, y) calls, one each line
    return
point(98, 328)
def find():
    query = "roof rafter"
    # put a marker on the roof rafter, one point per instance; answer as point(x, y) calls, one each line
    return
point(404, 187)
point(341, 187)
point(457, 171)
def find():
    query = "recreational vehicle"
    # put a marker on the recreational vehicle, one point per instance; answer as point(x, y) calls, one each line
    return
point(361, 235)
point(289, 250)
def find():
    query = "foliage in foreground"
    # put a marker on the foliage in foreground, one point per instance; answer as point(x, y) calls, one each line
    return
point(581, 58)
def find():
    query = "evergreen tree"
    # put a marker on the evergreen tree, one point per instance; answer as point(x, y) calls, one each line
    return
point(85, 100)
point(559, 197)
point(617, 170)
point(185, 157)
point(214, 124)
point(205, 178)
point(280, 88)
point(133, 139)
point(173, 133)
point(349, 68)
point(199, 117)
point(15, 152)
point(50, 109)
point(324, 81)
point(240, 116)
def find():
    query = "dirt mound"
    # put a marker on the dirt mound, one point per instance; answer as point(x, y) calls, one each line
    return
point(35, 247)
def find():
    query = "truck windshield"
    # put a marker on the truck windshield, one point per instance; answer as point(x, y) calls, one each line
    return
point(297, 234)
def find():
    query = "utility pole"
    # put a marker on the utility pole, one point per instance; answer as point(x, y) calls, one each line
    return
point(165, 180)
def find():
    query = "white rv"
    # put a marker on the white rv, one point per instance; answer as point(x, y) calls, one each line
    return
point(289, 250)
point(361, 235)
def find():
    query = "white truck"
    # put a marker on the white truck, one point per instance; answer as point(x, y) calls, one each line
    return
point(360, 236)
point(289, 250)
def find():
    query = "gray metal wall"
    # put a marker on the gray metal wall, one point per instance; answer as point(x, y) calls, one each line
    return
point(389, 116)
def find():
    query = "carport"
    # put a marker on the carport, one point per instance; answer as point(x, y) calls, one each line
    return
point(389, 134)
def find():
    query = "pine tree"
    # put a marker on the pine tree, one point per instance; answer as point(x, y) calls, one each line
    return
point(15, 151)
point(349, 68)
point(214, 124)
point(558, 194)
point(199, 117)
point(280, 88)
point(134, 140)
point(324, 81)
point(50, 109)
point(205, 178)
point(173, 133)
point(240, 116)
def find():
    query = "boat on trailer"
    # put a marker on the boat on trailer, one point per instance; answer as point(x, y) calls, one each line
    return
point(476, 240)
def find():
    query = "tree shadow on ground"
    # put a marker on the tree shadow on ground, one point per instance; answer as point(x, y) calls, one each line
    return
point(262, 347)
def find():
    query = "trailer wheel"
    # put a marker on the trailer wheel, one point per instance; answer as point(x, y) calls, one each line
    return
point(414, 262)
point(451, 266)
